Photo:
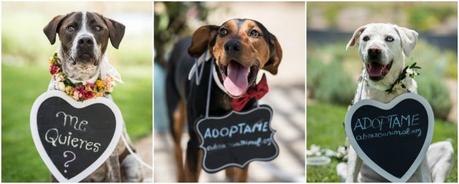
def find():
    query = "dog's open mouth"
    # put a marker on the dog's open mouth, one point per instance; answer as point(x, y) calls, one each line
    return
point(237, 78)
point(377, 71)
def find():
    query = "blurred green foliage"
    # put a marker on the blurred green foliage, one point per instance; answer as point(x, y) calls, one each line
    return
point(330, 83)
point(19, 42)
point(436, 92)
point(172, 22)
point(424, 16)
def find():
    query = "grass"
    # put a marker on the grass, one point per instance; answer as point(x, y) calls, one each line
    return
point(22, 84)
point(327, 131)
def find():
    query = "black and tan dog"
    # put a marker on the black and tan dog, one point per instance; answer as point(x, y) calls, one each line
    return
point(239, 48)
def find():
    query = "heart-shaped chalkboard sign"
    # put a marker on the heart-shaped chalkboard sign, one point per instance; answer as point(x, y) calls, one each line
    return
point(237, 139)
point(391, 138)
point(74, 138)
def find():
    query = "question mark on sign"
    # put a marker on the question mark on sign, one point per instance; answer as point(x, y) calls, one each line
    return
point(66, 154)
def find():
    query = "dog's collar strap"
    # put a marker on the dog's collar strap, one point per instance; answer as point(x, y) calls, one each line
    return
point(102, 87)
point(409, 71)
point(198, 68)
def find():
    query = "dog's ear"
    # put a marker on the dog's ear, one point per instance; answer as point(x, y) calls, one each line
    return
point(355, 36)
point(408, 39)
point(276, 56)
point(201, 39)
point(52, 28)
point(115, 31)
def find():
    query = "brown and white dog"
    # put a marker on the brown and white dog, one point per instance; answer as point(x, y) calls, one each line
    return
point(239, 48)
point(383, 48)
point(83, 42)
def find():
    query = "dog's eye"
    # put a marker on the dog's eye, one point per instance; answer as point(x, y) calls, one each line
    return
point(223, 31)
point(366, 38)
point(70, 28)
point(98, 28)
point(254, 33)
point(389, 39)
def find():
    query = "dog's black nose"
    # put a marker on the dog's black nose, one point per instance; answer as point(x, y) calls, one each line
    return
point(374, 53)
point(85, 42)
point(232, 46)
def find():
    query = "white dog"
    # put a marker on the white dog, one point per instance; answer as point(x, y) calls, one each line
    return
point(383, 48)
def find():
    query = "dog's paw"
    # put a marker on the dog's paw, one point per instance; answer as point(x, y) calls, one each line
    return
point(131, 169)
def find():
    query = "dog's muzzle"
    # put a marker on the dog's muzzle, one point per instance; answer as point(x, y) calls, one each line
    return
point(374, 54)
point(85, 50)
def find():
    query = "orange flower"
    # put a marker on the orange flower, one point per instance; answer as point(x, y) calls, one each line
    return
point(100, 84)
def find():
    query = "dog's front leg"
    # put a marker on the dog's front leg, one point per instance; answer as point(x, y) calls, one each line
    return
point(426, 174)
point(193, 159)
point(440, 160)
point(235, 174)
point(354, 163)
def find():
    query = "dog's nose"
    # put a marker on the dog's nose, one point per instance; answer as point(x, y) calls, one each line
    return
point(85, 42)
point(374, 53)
point(232, 46)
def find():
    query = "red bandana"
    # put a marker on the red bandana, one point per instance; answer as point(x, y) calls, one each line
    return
point(257, 92)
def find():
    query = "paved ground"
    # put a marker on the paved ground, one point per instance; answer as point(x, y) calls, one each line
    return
point(289, 116)
point(144, 151)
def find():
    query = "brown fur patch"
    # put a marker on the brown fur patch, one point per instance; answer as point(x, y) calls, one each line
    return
point(254, 51)
point(178, 123)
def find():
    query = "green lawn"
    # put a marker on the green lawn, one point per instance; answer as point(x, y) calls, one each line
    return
point(22, 84)
point(325, 128)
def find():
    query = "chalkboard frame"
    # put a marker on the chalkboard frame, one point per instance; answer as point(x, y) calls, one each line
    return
point(41, 150)
point(386, 106)
point(273, 132)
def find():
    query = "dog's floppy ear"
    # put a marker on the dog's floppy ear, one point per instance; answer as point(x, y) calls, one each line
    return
point(355, 36)
point(115, 31)
point(408, 39)
point(202, 39)
point(52, 28)
point(276, 56)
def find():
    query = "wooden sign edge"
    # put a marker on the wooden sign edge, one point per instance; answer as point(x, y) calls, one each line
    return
point(386, 106)
point(41, 150)
point(201, 145)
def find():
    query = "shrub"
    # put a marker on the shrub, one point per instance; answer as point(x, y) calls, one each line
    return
point(431, 87)
point(329, 82)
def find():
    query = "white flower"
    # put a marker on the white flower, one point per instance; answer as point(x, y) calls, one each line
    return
point(341, 151)
point(329, 153)
point(61, 86)
point(410, 71)
point(314, 151)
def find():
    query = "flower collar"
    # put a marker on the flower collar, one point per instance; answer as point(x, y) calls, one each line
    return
point(409, 71)
point(79, 91)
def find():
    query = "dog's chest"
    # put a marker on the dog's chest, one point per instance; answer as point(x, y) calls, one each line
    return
point(80, 72)
point(382, 96)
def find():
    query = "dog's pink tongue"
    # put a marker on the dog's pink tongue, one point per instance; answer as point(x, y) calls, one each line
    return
point(236, 83)
point(375, 69)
